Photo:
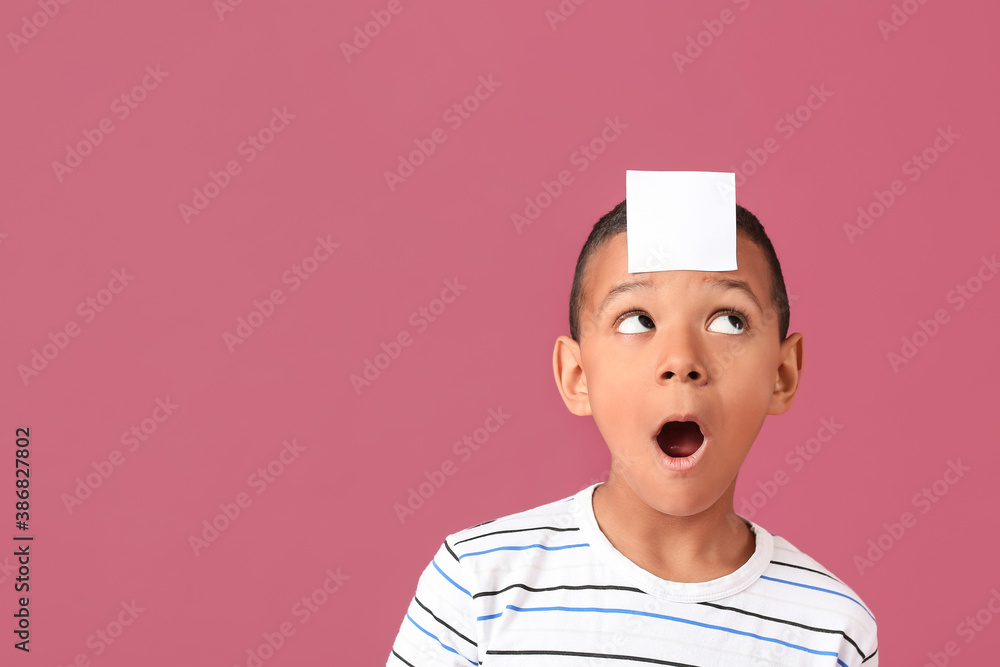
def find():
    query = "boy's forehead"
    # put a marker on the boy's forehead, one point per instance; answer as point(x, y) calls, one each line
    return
point(608, 269)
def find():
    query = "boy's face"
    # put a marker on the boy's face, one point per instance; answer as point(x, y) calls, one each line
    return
point(681, 353)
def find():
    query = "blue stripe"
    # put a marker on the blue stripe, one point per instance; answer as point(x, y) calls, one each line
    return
point(452, 581)
point(817, 588)
point(671, 618)
point(432, 636)
point(527, 546)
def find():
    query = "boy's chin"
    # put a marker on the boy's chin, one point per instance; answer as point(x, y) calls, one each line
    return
point(680, 508)
point(673, 502)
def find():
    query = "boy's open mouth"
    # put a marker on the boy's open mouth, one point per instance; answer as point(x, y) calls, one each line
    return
point(678, 439)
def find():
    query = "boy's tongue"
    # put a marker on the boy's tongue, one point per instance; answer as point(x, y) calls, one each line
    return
point(679, 439)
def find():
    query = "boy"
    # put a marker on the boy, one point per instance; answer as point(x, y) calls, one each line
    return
point(679, 370)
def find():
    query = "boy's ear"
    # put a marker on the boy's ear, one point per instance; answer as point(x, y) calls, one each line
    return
point(786, 381)
point(570, 377)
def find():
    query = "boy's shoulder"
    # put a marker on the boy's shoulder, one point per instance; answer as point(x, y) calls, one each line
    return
point(790, 560)
point(508, 551)
point(542, 521)
point(818, 593)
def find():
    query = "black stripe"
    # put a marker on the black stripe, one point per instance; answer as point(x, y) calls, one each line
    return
point(870, 657)
point(561, 588)
point(709, 604)
point(807, 569)
point(450, 551)
point(515, 530)
point(781, 620)
point(405, 662)
point(456, 632)
point(483, 523)
point(581, 654)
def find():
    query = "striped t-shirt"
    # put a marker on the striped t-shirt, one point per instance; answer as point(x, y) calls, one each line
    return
point(546, 587)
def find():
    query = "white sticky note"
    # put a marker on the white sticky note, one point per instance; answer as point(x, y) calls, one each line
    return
point(680, 220)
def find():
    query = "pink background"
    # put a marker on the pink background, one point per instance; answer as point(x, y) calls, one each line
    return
point(332, 506)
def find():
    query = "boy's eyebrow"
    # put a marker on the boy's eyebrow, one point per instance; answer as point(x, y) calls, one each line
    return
point(622, 288)
point(738, 284)
point(645, 286)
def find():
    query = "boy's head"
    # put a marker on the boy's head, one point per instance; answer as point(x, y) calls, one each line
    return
point(703, 347)
point(614, 223)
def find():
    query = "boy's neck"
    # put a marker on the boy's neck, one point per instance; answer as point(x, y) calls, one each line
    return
point(686, 549)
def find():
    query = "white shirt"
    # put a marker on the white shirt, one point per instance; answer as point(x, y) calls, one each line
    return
point(546, 587)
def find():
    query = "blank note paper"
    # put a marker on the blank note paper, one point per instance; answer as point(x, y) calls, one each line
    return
point(680, 220)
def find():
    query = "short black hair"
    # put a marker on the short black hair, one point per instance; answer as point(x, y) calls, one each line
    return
point(613, 222)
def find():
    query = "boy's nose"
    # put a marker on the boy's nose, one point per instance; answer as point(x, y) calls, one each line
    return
point(693, 375)
point(682, 361)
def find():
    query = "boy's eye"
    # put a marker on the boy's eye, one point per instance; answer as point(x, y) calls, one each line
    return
point(635, 323)
point(730, 324)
